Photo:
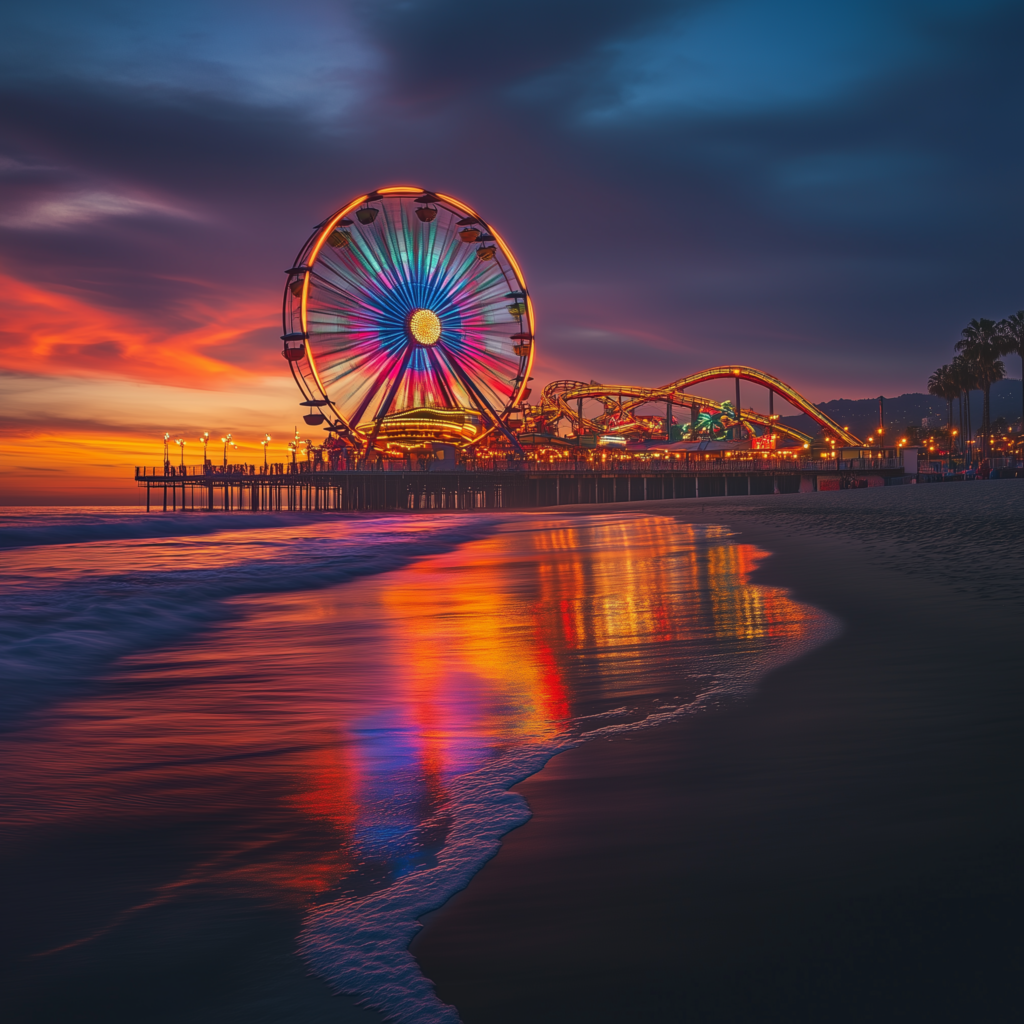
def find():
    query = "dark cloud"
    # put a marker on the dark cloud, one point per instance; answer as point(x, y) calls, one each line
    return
point(447, 48)
point(837, 229)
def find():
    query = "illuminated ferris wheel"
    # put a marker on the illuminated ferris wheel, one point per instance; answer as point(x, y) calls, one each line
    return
point(407, 319)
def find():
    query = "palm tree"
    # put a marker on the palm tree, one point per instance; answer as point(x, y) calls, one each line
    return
point(989, 372)
point(979, 341)
point(942, 383)
point(1011, 341)
point(962, 372)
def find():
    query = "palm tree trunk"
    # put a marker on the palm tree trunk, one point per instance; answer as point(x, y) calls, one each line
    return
point(960, 414)
point(985, 419)
point(965, 426)
point(967, 422)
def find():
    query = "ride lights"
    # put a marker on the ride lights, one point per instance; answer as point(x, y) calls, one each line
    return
point(425, 326)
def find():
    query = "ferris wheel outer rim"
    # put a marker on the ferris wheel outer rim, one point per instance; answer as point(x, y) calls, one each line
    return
point(311, 250)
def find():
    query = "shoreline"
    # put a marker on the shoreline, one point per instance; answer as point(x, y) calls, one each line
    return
point(871, 776)
point(617, 791)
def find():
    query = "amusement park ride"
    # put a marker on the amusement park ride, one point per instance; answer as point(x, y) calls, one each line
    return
point(408, 322)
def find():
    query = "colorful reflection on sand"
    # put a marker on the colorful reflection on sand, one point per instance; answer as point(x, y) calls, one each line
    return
point(308, 742)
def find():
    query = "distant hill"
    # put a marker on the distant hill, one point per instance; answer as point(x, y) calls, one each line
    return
point(861, 415)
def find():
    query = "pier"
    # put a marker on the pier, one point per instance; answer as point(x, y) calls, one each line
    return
point(419, 485)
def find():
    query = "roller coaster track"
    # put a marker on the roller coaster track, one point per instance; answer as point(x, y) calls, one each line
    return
point(558, 395)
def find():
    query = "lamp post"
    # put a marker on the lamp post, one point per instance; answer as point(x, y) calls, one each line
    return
point(226, 441)
point(180, 442)
point(167, 456)
point(265, 442)
point(205, 439)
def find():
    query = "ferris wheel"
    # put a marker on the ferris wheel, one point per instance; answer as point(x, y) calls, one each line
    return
point(407, 319)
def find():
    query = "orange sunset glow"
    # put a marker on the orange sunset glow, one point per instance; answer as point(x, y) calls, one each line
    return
point(90, 390)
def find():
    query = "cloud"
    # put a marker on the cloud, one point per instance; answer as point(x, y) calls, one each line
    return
point(85, 208)
point(248, 51)
point(12, 166)
point(51, 331)
point(746, 55)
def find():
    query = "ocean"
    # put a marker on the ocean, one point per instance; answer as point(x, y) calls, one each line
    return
point(217, 727)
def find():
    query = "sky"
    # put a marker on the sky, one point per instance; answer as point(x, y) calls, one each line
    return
point(828, 192)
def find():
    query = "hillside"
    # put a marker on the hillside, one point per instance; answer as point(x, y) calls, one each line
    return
point(861, 415)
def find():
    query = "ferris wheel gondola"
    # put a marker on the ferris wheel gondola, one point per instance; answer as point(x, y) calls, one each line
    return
point(406, 320)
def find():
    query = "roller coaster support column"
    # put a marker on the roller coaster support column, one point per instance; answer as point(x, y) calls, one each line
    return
point(737, 433)
point(668, 420)
point(579, 417)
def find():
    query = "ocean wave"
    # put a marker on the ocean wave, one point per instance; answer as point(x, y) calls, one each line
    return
point(59, 627)
point(29, 528)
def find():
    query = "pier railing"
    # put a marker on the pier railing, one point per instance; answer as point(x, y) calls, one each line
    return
point(628, 466)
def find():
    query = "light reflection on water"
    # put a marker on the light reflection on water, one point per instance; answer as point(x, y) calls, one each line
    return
point(309, 742)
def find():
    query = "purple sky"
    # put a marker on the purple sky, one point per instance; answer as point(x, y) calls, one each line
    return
point(827, 192)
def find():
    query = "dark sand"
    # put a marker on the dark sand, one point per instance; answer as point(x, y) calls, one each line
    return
point(844, 846)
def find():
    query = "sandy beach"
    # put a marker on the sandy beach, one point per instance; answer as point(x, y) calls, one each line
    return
point(843, 846)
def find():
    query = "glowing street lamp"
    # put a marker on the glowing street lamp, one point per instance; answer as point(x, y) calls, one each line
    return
point(226, 441)
point(180, 442)
point(205, 439)
point(167, 457)
point(265, 442)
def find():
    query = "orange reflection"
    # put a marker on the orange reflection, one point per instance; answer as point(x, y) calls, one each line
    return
point(311, 738)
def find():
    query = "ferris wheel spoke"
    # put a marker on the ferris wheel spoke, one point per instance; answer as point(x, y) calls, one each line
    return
point(377, 384)
point(441, 378)
point(477, 397)
point(382, 409)
point(386, 404)
point(446, 266)
point(492, 366)
point(340, 369)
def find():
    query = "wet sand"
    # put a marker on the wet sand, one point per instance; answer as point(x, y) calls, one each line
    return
point(178, 829)
point(843, 846)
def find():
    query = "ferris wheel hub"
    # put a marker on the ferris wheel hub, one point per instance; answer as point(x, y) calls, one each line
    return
point(424, 326)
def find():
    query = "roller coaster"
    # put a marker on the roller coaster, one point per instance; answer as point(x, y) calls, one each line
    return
point(708, 419)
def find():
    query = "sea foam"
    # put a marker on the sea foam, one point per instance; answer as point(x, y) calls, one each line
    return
point(360, 946)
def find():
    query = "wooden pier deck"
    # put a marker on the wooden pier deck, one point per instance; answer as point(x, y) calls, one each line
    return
point(399, 487)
